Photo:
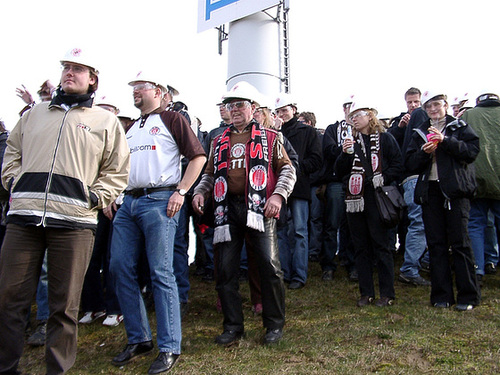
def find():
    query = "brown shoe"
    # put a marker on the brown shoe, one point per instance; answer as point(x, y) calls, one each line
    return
point(384, 301)
point(364, 301)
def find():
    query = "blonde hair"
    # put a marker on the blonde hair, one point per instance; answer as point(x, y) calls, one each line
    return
point(374, 124)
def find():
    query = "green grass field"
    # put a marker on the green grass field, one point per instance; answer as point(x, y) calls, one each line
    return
point(325, 333)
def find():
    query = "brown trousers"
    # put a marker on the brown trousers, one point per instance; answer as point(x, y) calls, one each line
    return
point(68, 256)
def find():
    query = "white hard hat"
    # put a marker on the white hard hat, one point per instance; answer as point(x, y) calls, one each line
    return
point(144, 76)
point(103, 100)
point(487, 93)
point(81, 57)
point(242, 90)
point(358, 105)
point(283, 100)
point(348, 99)
point(431, 94)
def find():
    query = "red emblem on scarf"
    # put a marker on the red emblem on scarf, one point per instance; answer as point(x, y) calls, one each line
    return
point(220, 189)
point(355, 182)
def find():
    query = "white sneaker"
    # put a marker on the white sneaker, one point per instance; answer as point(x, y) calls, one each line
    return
point(90, 316)
point(113, 320)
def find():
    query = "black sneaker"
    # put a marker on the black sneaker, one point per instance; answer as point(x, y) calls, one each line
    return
point(384, 301)
point(490, 269)
point(417, 280)
point(38, 337)
point(273, 336)
point(425, 267)
point(228, 337)
point(327, 275)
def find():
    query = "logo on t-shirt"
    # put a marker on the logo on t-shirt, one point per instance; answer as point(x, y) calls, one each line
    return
point(155, 130)
point(143, 148)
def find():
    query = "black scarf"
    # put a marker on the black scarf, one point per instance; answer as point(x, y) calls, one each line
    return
point(257, 179)
point(61, 98)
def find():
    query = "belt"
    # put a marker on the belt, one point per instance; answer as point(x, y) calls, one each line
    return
point(140, 192)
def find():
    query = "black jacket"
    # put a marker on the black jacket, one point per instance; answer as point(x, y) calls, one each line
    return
point(392, 164)
point(331, 151)
point(307, 145)
point(454, 158)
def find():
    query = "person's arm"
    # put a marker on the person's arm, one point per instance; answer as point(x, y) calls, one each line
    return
point(112, 177)
point(193, 170)
point(313, 157)
point(392, 169)
point(12, 159)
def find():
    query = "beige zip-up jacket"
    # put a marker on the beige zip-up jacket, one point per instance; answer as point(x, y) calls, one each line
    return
point(61, 166)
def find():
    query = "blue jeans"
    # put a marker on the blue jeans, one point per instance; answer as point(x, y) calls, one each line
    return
point(491, 240)
point(293, 243)
point(144, 220)
point(478, 222)
point(181, 257)
point(42, 293)
point(415, 236)
point(334, 210)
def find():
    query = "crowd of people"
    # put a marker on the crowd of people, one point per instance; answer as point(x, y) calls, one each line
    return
point(96, 208)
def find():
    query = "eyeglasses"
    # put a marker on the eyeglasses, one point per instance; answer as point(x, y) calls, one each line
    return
point(75, 68)
point(237, 105)
point(357, 114)
point(144, 86)
point(435, 104)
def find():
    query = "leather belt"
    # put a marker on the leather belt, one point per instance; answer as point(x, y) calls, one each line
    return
point(140, 192)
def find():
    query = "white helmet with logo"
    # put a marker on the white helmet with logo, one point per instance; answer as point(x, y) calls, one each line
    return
point(145, 76)
point(358, 105)
point(487, 93)
point(242, 90)
point(431, 94)
point(104, 102)
point(80, 56)
point(348, 99)
point(283, 100)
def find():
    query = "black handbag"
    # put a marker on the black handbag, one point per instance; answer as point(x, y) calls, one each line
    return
point(391, 205)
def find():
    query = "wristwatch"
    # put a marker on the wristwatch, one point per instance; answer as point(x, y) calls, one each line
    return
point(182, 192)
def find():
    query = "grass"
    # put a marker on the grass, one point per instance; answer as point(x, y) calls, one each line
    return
point(325, 333)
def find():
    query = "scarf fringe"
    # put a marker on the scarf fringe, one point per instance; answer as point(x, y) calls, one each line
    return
point(255, 221)
point(378, 180)
point(355, 205)
point(222, 234)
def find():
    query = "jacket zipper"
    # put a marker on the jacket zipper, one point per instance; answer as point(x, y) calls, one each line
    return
point(51, 171)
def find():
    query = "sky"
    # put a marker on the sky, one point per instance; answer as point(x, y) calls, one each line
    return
point(373, 49)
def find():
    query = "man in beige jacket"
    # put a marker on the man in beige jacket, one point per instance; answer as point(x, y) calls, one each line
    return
point(64, 159)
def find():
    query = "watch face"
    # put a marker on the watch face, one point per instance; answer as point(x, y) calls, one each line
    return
point(182, 192)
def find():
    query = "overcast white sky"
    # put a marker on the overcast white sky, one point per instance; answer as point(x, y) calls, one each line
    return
point(376, 49)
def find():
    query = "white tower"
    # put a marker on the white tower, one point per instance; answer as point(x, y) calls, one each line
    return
point(258, 52)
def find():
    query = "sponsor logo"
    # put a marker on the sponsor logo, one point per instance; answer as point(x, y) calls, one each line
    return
point(84, 127)
point(155, 130)
point(143, 148)
point(258, 177)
